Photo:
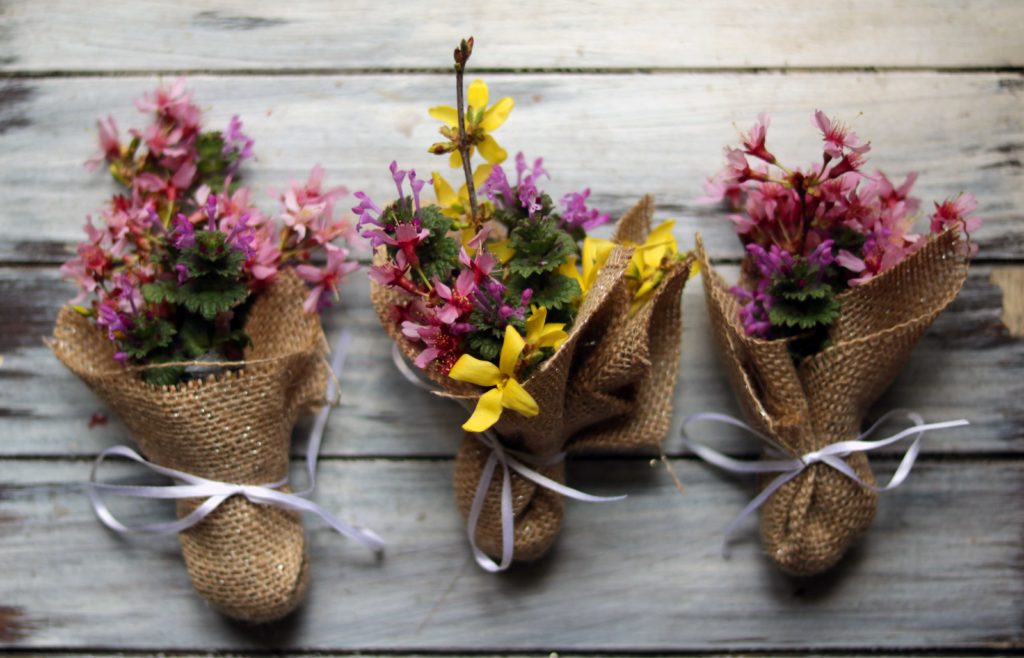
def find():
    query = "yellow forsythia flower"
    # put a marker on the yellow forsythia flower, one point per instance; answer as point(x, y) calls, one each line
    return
point(456, 206)
point(507, 393)
point(645, 268)
point(595, 253)
point(480, 122)
point(540, 334)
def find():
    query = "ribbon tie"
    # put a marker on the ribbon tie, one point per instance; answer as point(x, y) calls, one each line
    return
point(510, 460)
point(216, 492)
point(831, 455)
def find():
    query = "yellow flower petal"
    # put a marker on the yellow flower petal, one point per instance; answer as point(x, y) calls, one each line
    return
point(455, 159)
point(443, 191)
point(491, 151)
point(482, 173)
point(477, 95)
point(445, 113)
point(535, 324)
point(595, 254)
point(475, 371)
point(501, 250)
point(516, 398)
point(487, 412)
point(497, 113)
point(511, 348)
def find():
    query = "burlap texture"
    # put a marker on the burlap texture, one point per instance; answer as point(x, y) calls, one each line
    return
point(810, 522)
point(249, 561)
point(600, 391)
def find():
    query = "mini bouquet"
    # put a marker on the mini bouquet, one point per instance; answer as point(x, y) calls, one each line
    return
point(546, 333)
point(196, 323)
point(835, 290)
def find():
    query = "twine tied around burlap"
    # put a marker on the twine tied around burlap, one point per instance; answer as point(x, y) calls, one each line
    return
point(609, 387)
point(809, 521)
point(245, 553)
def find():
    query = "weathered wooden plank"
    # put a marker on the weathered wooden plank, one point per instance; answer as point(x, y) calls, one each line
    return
point(967, 366)
point(247, 35)
point(621, 135)
point(941, 568)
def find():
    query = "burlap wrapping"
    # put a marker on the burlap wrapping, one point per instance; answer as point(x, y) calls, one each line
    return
point(600, 391)
point(810, 522)
point(249, 561)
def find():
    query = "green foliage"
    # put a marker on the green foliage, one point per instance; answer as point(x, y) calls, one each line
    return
point(213, 164)
point(168, 376)
point(439, 253)
point(148, 334)
point(802, 302)
point(540, 247)
point(485, 343)
point(554, 291)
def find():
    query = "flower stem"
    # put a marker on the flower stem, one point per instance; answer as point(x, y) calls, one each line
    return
point(462, 54)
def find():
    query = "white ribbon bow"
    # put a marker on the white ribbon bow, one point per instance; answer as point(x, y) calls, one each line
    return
point(216, 492)
point(510, 461)
point(832, 455)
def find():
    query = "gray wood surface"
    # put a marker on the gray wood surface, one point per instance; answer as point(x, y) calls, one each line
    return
point(624, 97)
point(241, 35)
point(621, 135)
point(940, 568)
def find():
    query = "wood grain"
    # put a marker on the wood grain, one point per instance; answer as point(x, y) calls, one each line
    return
point(42, 36)
point(967, 367)
point(620, 135)
point(939, 569)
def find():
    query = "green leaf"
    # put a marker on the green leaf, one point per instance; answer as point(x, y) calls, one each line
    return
point(439, 253)
point(540, 246)
point(147, 334)
point(554, 292)
point(195, 337)
point(484, 345)
point(210, 297)
point(160, 291)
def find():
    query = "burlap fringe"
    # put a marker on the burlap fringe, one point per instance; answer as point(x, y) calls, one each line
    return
point(599, 392)
point(249, 561)
point(810, 522)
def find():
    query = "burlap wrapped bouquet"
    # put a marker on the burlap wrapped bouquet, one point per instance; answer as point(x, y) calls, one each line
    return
point(809, 523)
point(249, 561)
point(608, 387)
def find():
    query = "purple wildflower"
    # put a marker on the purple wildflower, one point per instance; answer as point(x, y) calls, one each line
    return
point(578, 215)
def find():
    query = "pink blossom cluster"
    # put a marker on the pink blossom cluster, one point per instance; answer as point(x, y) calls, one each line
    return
point(178, 180)
point(867, 221)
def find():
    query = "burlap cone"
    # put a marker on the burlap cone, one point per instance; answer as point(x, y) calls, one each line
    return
point(247, 560)
point(809, 523)
point(599, 391)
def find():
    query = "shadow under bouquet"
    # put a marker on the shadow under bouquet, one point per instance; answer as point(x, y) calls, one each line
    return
point(835, 290)
point(557, 341)
point(197, 322)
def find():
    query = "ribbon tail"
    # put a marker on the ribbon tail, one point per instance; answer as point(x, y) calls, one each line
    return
point(486, 476)
point(558, 487)
point(753, 505)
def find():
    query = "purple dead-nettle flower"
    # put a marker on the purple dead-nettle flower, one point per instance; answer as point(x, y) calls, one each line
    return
point(822, 256)
point(184, 234)
point(182, 271)
point(578, 215)
point(772, 262)
point(398, 175)
point(416, 186)
point(369, 214)
point(117, 323)
point(458, 299)
point(243, 236)
point(235, 141)
point(211, 212)
point(526, 183)
point(754, 312)
point(497, 188)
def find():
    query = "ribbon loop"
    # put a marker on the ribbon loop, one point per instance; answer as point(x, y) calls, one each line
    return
point(831, 455)
point(510, 461)
point(215, 492)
